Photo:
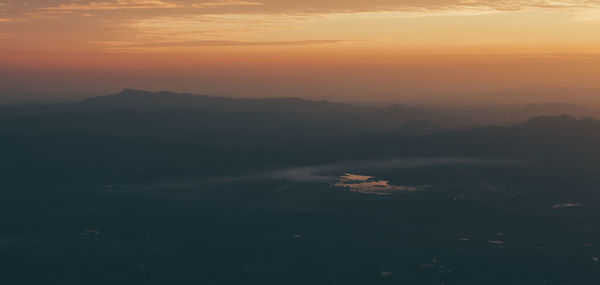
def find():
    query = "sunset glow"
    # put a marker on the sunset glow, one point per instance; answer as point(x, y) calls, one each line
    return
point(299, 142)
point(383, 48)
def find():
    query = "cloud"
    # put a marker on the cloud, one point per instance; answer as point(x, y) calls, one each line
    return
point(196, 23)
point(146, 4)
point(217, 43)
point(111, 5)
point(352, 6)
point(567, 205)
point(196, 9)
point(211, 30)
point(587, 15)
point(226, 3)
point(298, 6)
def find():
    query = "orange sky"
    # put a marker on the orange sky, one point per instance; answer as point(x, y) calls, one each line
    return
point(310, 48)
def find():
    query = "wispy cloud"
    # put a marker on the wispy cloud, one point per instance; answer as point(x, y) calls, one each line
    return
point(118, 5)
point(211, 30)
point(197, 9)
point(587, 15)
point(298, 6)
point(197, 23)
point(215, 43)
point(146, 4)
point(354, 6)
point(226, 3)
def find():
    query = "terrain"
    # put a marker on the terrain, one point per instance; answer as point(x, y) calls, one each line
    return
point(155, 188)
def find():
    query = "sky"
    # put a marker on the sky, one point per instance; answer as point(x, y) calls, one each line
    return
point(336, 49)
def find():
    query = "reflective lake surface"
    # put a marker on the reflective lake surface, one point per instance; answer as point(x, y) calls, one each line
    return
point(370, 185)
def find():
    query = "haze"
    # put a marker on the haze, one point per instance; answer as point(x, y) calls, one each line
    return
point(398, 50)
point(294, 142)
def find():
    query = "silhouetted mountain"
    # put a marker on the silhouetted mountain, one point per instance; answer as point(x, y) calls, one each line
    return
point(168, 113)
point(167, 133)
point(134, 113)
point(560, 124)
point(554, 109)
point(130, 99)
point(539, 137)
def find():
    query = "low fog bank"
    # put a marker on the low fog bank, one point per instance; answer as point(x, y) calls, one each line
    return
point(328, 172)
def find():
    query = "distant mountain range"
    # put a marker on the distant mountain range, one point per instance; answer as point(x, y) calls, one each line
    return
point(130, 99)
point(133, 111)
point(428, 118)
point(541, 137)
point(140, 134)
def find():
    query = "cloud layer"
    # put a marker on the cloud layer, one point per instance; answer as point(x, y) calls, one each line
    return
point(24, 8)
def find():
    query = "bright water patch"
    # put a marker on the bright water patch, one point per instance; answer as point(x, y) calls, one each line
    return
point(369, 185)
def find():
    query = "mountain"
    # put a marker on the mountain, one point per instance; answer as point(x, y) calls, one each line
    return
point(194, 113)
point(212, 119)
point(187, 129)
point(130, 99)
point(540, 137)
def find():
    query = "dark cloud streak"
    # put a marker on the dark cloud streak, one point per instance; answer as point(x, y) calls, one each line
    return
point(210, 43)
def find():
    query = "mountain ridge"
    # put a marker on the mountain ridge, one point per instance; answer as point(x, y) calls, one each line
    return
point(140, 99)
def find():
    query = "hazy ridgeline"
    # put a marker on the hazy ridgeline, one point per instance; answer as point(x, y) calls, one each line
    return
point(164, 187)
point(142, 134)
